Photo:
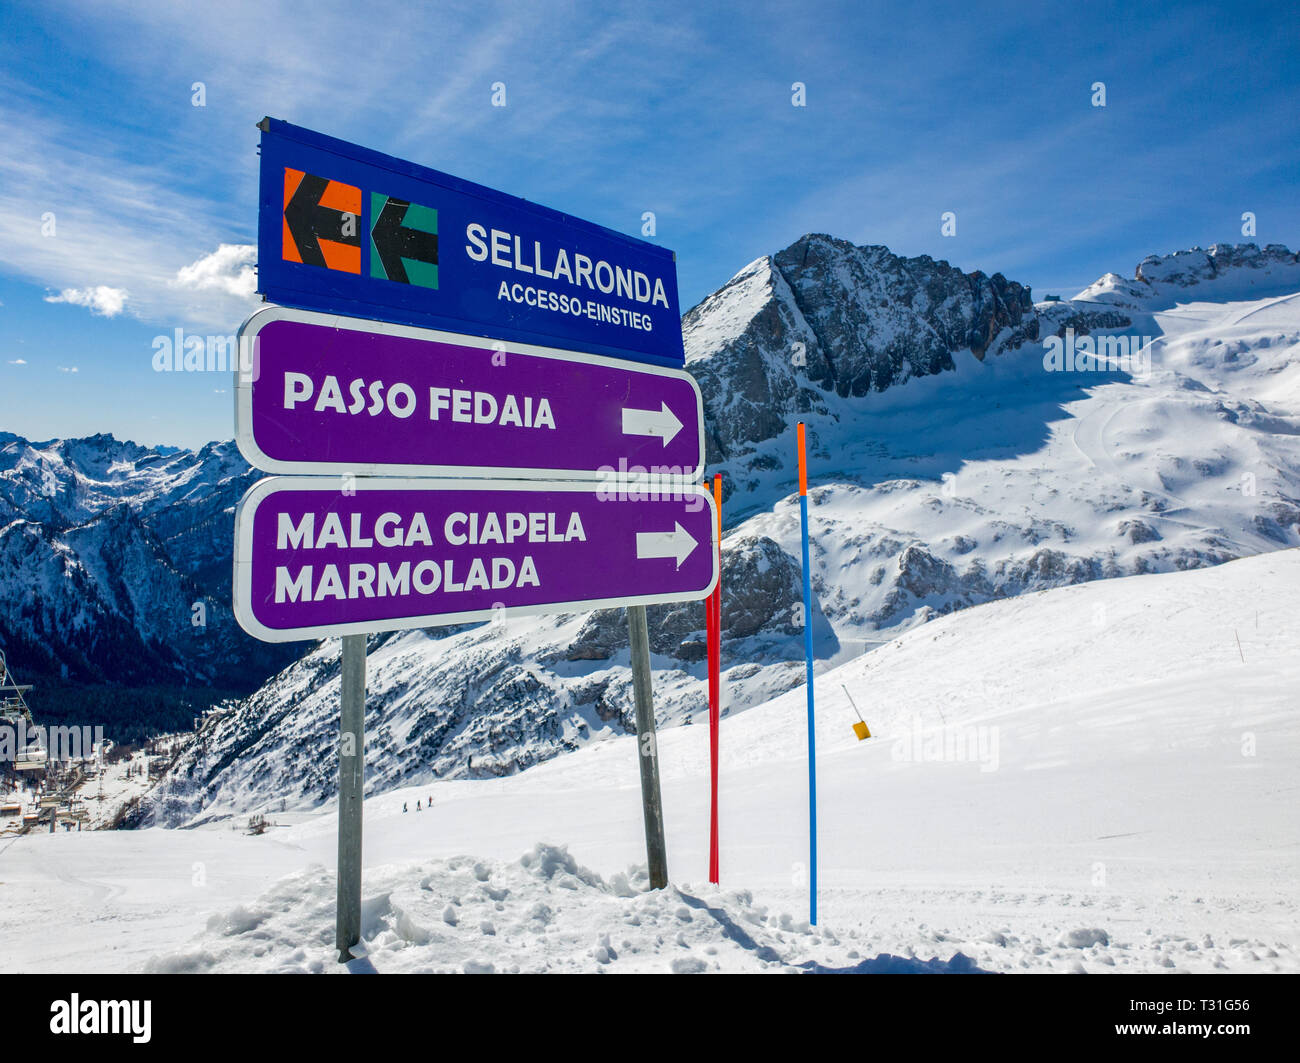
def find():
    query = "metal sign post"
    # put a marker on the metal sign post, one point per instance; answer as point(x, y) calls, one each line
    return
point(352, 727)
point(647, 748)
point(713, 617)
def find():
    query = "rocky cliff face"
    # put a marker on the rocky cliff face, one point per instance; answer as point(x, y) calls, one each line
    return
point(881, 319)
point(826, 317)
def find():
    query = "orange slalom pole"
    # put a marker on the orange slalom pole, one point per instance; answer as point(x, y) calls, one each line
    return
point(808, 652)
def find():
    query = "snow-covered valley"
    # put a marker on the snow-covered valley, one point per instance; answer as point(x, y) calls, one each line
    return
point(1099, 777)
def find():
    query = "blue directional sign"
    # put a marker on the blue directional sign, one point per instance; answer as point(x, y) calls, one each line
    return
point(344, 229)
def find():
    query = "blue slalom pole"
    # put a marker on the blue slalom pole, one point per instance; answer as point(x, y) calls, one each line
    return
point(808, 653)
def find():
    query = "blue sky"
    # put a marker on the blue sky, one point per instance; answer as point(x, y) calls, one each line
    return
point(683, 109)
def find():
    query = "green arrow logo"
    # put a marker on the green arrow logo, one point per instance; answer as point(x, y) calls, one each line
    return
point(404, 241)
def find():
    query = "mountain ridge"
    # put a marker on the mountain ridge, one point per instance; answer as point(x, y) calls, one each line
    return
point(970, 474)
point(959, 486)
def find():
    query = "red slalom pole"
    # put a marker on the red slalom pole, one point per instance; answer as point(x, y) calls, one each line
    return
point(713, 745)
point(713, 617)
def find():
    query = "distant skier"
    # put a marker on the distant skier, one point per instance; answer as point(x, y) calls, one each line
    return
point(417, 806)
point(403, 806)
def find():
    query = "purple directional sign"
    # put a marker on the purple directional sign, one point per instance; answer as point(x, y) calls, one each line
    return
point(317, 557)
point(318, 393)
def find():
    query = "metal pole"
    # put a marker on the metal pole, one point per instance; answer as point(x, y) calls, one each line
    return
point(808, 653)
point(856, 711)
point(715, 685)
point(351, 763)
point(651, 801)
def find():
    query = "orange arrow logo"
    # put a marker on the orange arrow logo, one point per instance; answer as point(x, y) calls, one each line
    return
point(322, 222)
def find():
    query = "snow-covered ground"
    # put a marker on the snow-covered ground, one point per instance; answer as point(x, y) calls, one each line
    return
point(1100, 777)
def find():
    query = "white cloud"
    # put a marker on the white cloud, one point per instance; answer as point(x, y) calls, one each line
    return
point(66, 369)
point(132, 231)
point(228, 269)
point(18, 361)
point(101, 299)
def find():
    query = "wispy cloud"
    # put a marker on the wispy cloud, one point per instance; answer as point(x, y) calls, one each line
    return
point(101, 299)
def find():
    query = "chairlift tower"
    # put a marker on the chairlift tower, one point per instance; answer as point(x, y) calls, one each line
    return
point(15, 712)
point(13, 706)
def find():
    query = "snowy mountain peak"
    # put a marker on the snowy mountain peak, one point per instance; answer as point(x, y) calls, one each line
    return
point(723, 316)
point(1220, 273)
point(824, 317)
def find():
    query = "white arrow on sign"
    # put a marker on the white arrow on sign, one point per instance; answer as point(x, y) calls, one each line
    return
point(661, 422)
point(677, 543)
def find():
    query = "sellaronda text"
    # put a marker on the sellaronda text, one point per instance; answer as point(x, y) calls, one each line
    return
point(505, 249)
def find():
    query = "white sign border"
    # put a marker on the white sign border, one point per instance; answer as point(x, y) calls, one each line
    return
point(270, 485)
point(244, 438)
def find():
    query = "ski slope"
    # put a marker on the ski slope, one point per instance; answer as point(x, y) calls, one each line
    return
point(1094, 778)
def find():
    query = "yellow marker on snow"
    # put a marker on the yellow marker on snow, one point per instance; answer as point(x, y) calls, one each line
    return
point(860, 728)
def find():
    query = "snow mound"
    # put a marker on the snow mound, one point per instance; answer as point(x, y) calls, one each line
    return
point(541, 913)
